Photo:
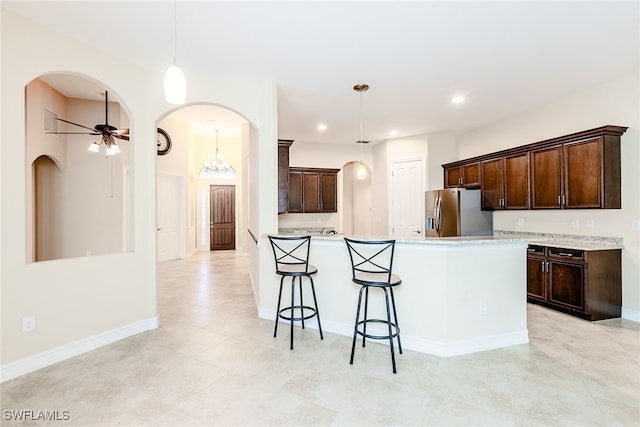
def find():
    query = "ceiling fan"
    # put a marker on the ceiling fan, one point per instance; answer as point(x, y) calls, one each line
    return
point(107, 131)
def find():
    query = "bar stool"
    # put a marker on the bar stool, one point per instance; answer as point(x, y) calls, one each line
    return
point(371, 264)
point(291, 255)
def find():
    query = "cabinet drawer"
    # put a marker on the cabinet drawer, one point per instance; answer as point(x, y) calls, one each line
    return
point(535, 250)
point(566, 254)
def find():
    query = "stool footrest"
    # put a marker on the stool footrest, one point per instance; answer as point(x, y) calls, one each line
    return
point(297, 307)
point(395, 329)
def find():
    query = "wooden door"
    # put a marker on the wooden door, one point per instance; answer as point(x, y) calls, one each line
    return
point(492, 184)
point(546, 183)
point(222, 218)
point(583, 174)
point(516, 182)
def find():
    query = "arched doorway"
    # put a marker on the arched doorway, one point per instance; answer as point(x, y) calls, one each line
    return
point(201, 133)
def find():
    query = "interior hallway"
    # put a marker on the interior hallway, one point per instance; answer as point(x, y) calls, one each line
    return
point(213, 362)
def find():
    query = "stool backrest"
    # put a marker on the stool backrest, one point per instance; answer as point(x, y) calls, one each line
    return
point(371, 256)
point(290, 250)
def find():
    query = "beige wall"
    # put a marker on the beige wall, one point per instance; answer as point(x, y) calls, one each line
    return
point(82, 303)
point(612, 103)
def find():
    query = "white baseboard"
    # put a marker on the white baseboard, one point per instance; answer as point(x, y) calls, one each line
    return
point(38, 361)
point(435, 348)
point(630, 314)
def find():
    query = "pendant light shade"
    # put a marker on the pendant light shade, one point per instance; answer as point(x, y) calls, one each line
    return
point(361, 171)
point(175, 85)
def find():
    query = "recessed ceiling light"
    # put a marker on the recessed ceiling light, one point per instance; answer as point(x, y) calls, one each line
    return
point(458, 99)
point(322, 127)
point(393, 133)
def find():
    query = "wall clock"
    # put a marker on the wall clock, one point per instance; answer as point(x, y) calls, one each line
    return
point(164, 142)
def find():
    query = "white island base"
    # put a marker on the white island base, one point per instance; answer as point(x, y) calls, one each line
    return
point(458, 295)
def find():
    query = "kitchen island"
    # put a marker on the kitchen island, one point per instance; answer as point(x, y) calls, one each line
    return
point(458, 295)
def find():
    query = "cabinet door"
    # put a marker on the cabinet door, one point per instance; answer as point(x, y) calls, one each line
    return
point(516, 182)
point(310, 192)
point(283, 178)
point(295, 191)
point(471, 175)
point(452, 177)
point(566, 284)
point(546, 182)
point(492, 184)
point(535, 278)
point(583, 174)
point(329, 198)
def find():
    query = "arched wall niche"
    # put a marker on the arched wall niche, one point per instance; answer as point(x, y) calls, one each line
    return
point(356, 200)
point(87, 206)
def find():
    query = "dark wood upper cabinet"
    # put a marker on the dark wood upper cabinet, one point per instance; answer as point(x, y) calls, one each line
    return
point(466, 175)
point(313, 190)
point(576, 171)
point(283, 174)
point(505, 182)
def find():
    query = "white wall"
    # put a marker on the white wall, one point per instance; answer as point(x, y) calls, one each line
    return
point(83, 303)
point(612, 103)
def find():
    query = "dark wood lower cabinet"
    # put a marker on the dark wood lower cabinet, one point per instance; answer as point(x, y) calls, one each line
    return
point(587, 284)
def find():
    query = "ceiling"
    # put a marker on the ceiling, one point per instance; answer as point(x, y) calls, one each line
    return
point(504, 57)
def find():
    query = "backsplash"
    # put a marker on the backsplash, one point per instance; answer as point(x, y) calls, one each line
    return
point(309, 220)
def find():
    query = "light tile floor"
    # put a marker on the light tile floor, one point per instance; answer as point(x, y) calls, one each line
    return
point(214, 362)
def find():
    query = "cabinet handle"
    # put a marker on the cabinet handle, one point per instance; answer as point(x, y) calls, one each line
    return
point(460, 180)
point(547, 266)
point(542, 265)
point(559, 201)
point(563, 201)
point(564, 254)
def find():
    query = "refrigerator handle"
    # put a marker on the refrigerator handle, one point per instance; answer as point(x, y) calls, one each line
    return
point(438, 214)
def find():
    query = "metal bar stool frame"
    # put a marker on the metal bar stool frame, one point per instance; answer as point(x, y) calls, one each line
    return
point(373, 269)
point(291, 255)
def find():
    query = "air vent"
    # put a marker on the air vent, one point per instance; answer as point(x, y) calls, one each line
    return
point(49, 122)
point(362, 142)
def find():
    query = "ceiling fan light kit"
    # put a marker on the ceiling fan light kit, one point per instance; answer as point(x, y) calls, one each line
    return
point(107, 132)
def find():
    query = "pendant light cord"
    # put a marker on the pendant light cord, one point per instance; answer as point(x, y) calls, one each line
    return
point(175, 30)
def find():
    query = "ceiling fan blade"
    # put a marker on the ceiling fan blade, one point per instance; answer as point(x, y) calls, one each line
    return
point(72, 133)
point(75, 124)
point(123, 137)
point(120, 132)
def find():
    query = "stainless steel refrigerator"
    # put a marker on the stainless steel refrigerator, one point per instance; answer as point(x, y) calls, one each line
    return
point(456, 212)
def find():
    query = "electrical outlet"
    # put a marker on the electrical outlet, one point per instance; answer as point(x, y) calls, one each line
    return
point(520, 221)
point(591, 223)
point(482, 309)
point(635, 224)
point(575, 223)
point(28, 324)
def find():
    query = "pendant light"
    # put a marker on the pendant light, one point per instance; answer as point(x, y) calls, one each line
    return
point(175, 85)
point(217, 168)
point(361, 171)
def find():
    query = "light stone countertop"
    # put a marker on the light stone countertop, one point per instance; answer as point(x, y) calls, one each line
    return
point(568, 241)
point(586, 243)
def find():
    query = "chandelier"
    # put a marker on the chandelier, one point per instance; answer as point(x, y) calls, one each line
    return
point(217, 168)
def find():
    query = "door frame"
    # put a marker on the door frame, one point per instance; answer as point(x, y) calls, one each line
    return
point(423, 185)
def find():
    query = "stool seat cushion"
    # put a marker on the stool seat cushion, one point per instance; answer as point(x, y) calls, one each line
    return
point(376, 279)
point(296, 269)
